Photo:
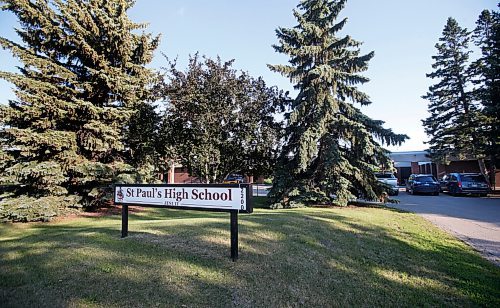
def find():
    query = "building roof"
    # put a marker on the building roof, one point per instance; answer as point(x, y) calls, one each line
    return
point(410, 156)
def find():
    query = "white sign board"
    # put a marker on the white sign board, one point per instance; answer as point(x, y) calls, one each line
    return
point(216, 197)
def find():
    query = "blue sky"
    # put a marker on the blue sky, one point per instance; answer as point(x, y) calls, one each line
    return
point(401, 32)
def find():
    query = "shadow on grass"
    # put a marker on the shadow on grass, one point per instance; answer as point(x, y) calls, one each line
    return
point(287, 258)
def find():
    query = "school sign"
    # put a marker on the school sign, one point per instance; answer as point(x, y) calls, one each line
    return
point(233, 198)
point(208, 197)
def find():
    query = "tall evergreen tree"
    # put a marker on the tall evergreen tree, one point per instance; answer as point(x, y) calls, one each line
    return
point(83, 77)
point(219, 121)
point(486, 71)
point(454, 115)
point(331, 147)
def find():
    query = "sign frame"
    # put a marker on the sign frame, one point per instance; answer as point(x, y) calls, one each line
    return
point(233, 212)
point(248, 197)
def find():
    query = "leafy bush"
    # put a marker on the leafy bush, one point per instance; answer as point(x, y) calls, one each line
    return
point(268, 181)
point(25, 209)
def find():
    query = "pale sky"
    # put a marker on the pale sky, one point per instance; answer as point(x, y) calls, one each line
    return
point(401, 32)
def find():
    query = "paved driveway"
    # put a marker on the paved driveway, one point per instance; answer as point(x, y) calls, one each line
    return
point(472, 219)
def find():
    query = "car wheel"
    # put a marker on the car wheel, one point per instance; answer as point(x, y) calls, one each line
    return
point(483, 195)
point(436, 193)
point(396, 193)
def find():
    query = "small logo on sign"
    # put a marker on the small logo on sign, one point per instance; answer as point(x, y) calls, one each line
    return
point(119, 194)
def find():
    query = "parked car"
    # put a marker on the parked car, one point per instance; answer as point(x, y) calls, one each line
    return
point(233, 179)
point(422, 183)
point(390, 180)
point(465, 183)
point(443, 183)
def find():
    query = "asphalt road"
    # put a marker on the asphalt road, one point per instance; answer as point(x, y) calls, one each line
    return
point(261, 190)
point(472, 219)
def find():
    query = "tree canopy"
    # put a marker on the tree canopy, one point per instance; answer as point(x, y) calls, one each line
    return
point(82, 79)
point(331, 147)
point(486, 77)
point(454, 114)
point(219, 121)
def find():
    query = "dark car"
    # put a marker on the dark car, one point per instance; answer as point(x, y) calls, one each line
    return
point(233, 179)
point(443, 182)
point(422, 183)
point(465, 183)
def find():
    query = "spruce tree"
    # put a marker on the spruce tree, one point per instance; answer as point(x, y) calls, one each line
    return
point(331, 148)
point(486, 71)
point(454, 115)
point(82, 79)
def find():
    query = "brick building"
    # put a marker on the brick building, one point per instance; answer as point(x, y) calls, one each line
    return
point(410, 162)
point(177, 174)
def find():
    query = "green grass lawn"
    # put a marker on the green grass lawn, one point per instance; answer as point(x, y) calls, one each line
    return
point(300, 257)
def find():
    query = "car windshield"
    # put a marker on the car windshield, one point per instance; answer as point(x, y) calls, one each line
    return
point(384, 175)
point(425, 179)
point(473, 178)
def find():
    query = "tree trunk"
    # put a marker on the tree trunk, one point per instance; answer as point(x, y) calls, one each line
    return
point(207, 177)
point(493, 174)
point(484, 171)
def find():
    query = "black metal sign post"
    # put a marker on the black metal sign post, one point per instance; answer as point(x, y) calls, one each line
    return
point(232, 198)
point(124, 220)
point(234, 235)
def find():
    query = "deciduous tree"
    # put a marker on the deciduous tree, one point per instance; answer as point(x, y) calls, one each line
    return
point(219, 121)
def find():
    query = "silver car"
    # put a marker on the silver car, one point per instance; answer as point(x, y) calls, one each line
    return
point(390, 180)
